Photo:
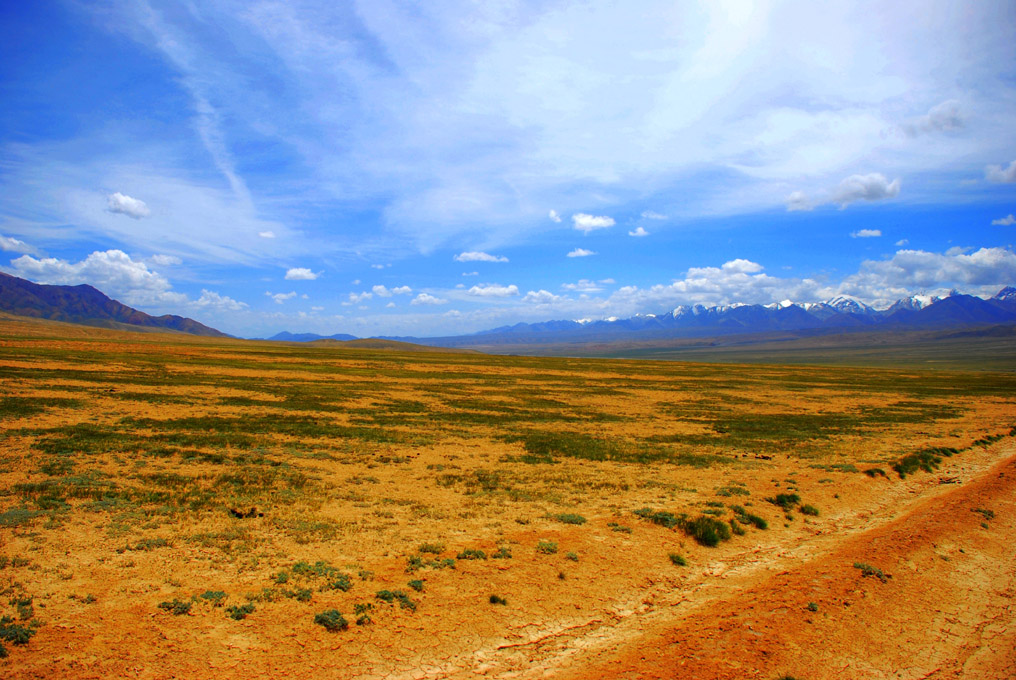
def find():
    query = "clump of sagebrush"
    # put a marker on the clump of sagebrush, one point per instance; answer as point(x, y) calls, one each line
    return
point(472, 554)
point(614, 526)
point(868, 570)
point(661, 517)
point(875, 472)
point(678, 560)
point(433, 548)
point(785, 500)
point(546, 547)
point(926, 459)
point(497, 599)
point(176, 607)
point(809, 510)
point(705, 529)
point(240, 612)
point(331, 620)
point(569, 518)
point(503, 553)
point(416, 584)
point(362, 611)
point(215, 597)
point(392, 596)
point(745, 517)
point(812, 607)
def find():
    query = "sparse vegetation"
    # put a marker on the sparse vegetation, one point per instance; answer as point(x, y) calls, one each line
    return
point(678, 560)
point(240, 612)
point(497, 599)
point(868, 570)
point(546, 547)
point(176, 607)
point(331, 620)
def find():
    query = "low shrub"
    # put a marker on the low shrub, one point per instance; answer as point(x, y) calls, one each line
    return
point(416, 585)
point(810, 510)
point(240, 612)
point(497, 599)
point(471, 554)
point(868, 570)
point(546, 547)
point(331, 620)
point(176, 607)
point(707, 531)
point(569, 518)
point(785, 500)
point(678, 560)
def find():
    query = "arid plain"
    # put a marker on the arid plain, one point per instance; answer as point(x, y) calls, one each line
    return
point(181, 507)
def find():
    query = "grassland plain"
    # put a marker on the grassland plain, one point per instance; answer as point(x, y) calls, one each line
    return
point(174, 506)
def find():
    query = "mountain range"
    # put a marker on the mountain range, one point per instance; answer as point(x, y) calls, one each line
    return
point(87, 306)
point(842, 313)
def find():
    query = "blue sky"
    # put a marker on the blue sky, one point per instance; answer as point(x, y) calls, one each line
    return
point(434, 168)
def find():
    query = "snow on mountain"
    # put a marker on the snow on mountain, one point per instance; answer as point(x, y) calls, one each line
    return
point(849, 305)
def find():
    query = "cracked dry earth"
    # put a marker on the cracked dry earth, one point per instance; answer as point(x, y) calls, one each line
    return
point(122, 455)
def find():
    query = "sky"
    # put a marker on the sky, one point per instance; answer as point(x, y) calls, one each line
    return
point(438, 168)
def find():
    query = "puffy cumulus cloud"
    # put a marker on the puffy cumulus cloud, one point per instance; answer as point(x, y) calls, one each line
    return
point(9, 244)
point(301, 274)
point(653, 215)
point(909, 270)
point(494, 290)
point(266, 234)
point(554, 217)
point(741, 266)
point(473, 256)
point(281, 297)
point(902, 242)
point(382, 291)
point(1006, 221)
point(866, 233)
point(870, 187)
point(357, 298)
point(798, 201)
point(126, 205)
point(541, 297)
point(111, 271)
point(996, 173)
point(944, 117)
point(166, 260)
point(580, 252)
point(211, 300)
point(638, 232)
point(390, 305)
point(587, 223)
point(427, 299)
point(583, 286)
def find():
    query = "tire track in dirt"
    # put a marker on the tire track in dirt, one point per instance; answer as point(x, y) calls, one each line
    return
point(948, 611)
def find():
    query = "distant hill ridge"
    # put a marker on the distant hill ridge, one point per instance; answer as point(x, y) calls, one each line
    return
point(85, 305)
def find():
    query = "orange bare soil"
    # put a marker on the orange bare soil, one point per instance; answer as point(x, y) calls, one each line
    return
point(178, 507)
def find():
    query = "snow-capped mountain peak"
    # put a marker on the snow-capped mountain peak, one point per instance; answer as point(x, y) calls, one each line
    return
point(848, 305)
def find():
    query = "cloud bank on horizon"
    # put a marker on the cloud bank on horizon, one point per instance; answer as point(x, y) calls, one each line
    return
point(757, 150)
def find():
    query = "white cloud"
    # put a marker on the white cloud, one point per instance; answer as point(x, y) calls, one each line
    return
point(281, 297)
point(402, 290)
point(638, 232)
point(540, 297)
point(866, 233)
point(798, 201)
point(212, 300)
point(554, 216)
point(741, 266)
point(587, 223)
point(996, 173)
point(902, 242)
point(381, 291)
point(317, 309)
point(608, 281)
point(1006, 221)
point(380, 266)
point(9, 244)
point(356, 298)
point(470, 273)
point(580, 252)
point(944, 117)
point(125, 205)
point(494, 290)
point(919, 269)
point(166, 260)
point(870, 187)
point(582, 286)
point(427, 299)
point(111, 271)
point(301, 274)
point(390, 305)
point(653, 215)
point(266, 234)
point(473, 256)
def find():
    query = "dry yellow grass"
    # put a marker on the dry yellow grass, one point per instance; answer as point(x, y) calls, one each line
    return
point(123, 455)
